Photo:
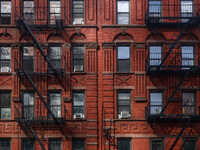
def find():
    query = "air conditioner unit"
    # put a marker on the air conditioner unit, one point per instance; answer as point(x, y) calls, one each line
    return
point(124, 115)
point(78, 68)
point(78, 21)
point(5, 69)
point(78, 116)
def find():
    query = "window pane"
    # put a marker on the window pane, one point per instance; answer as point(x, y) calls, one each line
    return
point(155, 55)
point(55, 52)
point(123, 109)
point(78, 99)
point(189, 145)
point(5, 100)
point(123, 65)
point(157, 145)
point(28, 99)
point(122, 6)
point(5, 7)
point(186, 6)
point(78, 110)
point(123, 96)
point(5, 52)
point(188, 102)
point(78, 145)
point(79, 63)
point(5, 144)
point(55, 7)
point(55, 99)
point(28, 6)
point(123, 144)
point(56, 111)
point(78, 50)
point(155, 103)
point(28, 51)
point(122, 18)
point(154, 6)
point(55, 145)
point(5, 113)
point(27, 145)
point(123, 52)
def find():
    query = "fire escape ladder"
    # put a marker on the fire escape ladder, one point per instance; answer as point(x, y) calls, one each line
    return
point(39, 47)
point(174, 44)
point(41, 97)
point(171, 97)
point(181, 132)
point(32, 131)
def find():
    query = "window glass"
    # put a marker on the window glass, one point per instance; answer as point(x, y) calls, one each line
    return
point(155, 55)
point(55, 11)
point(29, 12)
point(78, 12)
point(5, 16)
point(187, 54)
point(123, 58)
point(186, 9)
point(28, 59)
point(28, 105)
point(123, 103)
point(55, 57)
point(55, 104)
point(78, 58)
point(27, 144)
point(156, 144)
point(122, 12)
point(5, 144)
point(190, 144)
point(156, 103)
point(78, 144)
point(5, 105)
point(78, 103)
point(123, 144)
point(5, 56)
point(188, 103)
point(55, 144)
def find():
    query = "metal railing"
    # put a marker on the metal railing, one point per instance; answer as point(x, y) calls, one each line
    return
point(175, 61)
point(172, 12)
point(38, 64)
point(174, 109)
point(41, 15)
point(39, 112)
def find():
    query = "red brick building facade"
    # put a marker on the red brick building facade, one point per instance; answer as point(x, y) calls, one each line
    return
point(99, 74)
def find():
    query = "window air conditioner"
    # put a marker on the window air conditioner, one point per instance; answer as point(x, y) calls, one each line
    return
point(5, 69)
point(78, 116)
point(78, 68)
point(124, 115)
point(78, 21)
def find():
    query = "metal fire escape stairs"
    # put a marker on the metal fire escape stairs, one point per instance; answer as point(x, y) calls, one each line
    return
point(27, 122)
point(180, 83)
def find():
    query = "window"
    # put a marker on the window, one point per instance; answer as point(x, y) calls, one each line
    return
point(27, 144)
point(123, 58)
point(5, 18)
point(156, 144)
point(28, 12)
point(78, 144)
point(78, 12)
point(5, 53)
point(123, 12)
point(78, 58)
point(123, 144)
point(55, 144)
point(186, 9)
point(155, 55)
point(28, 59)
point(55, 56)
point(55, 103)
point(154, 8)
point(5, 144)
point(28, 105)
point(123, 102)
point(78, 105)
point(55, 11)
point(188, 103)
point(5, 105)
point(187, 56)
point(156, 103)
point(190, 144)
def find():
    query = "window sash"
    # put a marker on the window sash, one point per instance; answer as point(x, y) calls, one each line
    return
point(78, 11)
point(5, 105)
point(55, 144)
point(124, 144)
point(78, 102)
point(123, 102)
point(78, 144)
point(28, 144)
point(5, 144)
point(156, 102)
point(123, 12)
point(78, 57)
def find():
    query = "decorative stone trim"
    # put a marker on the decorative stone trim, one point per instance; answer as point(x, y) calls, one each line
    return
point(66, 45)
point(91, 45)
point(16, 99)
point(124, 87)
point(140, 99)
point(169, 45)
point(67, 99)
point(108, 45)
point(174, 99)
point(139, 45)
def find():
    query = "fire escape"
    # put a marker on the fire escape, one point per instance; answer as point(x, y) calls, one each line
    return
point(173, 63)
point(34, 73)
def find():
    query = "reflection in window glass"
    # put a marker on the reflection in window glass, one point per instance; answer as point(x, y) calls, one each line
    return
point(28, 105)
point(188, 103)
point(5, 56)
point(55, 104)
point(5, 16)
point(186, 9)
point(55, 144)
point(78, 58)
point(78, 102)
point(157, 144)
point(28, 59)
point(27, 144)
point(154, 8)
point(55, 11)
point(123, 144)
point(5, 144)
point(155, 55)
point(123, 102)
point(187, 54)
